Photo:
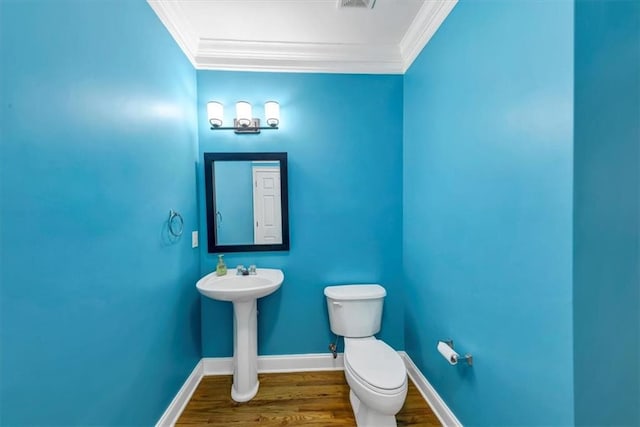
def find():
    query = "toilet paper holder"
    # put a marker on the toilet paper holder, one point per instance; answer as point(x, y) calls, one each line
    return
point(467, 357)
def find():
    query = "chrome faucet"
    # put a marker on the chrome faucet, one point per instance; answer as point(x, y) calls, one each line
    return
point(241, 270)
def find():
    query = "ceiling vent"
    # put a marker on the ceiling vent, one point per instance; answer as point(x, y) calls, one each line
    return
point(357, 4)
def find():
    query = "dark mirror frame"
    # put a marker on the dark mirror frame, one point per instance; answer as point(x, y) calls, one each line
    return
point(209, 173)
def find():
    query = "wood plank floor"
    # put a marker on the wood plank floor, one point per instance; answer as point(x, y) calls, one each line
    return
point(294, 399)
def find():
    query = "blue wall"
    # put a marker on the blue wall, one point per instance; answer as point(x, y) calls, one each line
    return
point(488, 210)
point(607, 213)
point(99, 117)
point(343, 134)
point(99, 315)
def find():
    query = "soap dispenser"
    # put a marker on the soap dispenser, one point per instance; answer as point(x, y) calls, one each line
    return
point(221, 268)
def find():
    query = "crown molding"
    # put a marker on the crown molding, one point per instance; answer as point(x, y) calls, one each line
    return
point(172, 17)
point(242, 55)
point(298, 57)
point(427, 21)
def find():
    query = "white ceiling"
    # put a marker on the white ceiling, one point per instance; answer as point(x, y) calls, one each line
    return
point(302, 35)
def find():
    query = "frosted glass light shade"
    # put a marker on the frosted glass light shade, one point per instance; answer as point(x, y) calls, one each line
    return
point(215, 113)
point(272, 113)
point(243, 113)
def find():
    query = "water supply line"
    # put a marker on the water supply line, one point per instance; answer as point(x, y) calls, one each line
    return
point(333, 348)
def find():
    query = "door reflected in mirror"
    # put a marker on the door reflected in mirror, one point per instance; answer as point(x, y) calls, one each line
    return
point(246, 201)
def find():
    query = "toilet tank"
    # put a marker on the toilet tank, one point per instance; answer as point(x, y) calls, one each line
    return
point(355, 310)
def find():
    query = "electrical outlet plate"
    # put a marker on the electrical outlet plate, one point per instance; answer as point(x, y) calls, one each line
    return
point(194, 239)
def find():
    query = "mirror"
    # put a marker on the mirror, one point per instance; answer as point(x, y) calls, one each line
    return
point(247, 202)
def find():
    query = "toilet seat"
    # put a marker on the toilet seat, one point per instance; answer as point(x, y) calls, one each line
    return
point(375, 364)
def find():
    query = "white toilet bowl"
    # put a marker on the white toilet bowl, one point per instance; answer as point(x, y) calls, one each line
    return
point(378, 380)
point(375, 372)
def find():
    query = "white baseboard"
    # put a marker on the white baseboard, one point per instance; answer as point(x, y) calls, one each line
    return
point(298, 363)
point(217, 365)
point(178, 403)
point(442, 411)
point(279, 363)
point(301, 363)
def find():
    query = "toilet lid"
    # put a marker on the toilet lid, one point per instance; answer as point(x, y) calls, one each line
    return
point(374, 362)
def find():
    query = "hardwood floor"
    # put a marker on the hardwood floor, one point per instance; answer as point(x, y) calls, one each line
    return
point(294, 399)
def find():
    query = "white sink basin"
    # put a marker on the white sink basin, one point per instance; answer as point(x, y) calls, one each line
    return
point(243, 292)
point(241, 288)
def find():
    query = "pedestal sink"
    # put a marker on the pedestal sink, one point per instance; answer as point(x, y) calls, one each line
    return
point(243, 292)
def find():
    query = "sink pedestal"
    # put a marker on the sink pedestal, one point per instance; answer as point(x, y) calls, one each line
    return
point(245, 350)
point(243, 292)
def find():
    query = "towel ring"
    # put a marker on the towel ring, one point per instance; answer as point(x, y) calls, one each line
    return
point(175, 227)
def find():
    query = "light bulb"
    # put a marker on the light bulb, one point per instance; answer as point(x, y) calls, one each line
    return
point(215, 113)
point(243, 114)
point(272, 113)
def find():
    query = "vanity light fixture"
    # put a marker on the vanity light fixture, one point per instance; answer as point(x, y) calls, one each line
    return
point(244, 122)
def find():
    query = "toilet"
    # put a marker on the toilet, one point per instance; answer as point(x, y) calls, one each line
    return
point(374, 371)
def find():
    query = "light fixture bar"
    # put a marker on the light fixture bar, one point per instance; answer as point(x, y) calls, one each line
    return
point(253, 128)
